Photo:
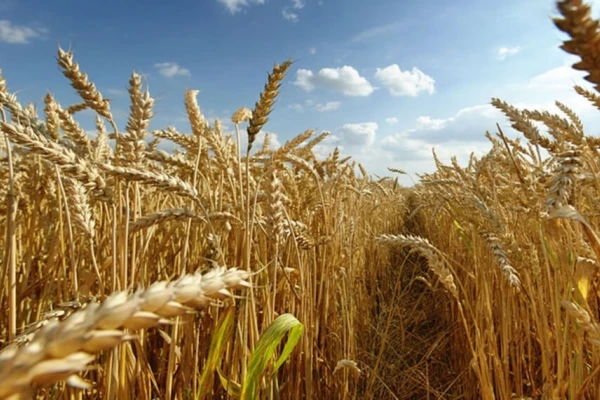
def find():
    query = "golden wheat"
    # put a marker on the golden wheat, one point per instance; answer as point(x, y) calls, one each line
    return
point(58, 350)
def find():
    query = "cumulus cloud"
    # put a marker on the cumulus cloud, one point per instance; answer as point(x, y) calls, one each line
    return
point(289, 15)
point(556, 78)
point(459, 135)
point(459, 132)
point(404, 148)
point(170, 69)
point(312, 105)
point(234, 6)
point(19, 34)
point(557, 83)
point(346, 80)
point(426, 122)
point(329, 106)
point(293, 15)
point(305, 79)
point(405, 83)
point(274, 142)
point(327, 146)
point(259, 141)
point(468, 124)
point(296, 107)
point(504, 52)
point(361, 134)
point(463, 132)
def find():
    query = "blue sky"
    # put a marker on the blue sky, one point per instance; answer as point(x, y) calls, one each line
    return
point(388, 78)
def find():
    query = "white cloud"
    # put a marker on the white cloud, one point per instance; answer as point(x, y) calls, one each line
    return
point(376, 31)
point(259, 141)
point(290, 16)
point(235, 6)
point(557, 83)
point(19, 34)
point(391, 120)
point(405, 83)
point(459, 135)
point(412, 151)
point(327, 146)
point(464, 131)
point(468, 124)
point(558, 78)
point(345, 79)
point(311, 104)
point(329, 106)
point(504, 52)
point(361, 134)
point(433, 124)
point(170, 69)
point(293, 15)
point(296, 107)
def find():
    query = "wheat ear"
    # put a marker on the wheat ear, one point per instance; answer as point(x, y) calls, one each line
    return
point(80, 82)
point(430, 252)
point(578, 23)
point(61, 349)
point(263, 107)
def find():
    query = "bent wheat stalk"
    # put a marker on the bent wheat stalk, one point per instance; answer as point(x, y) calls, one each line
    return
point(61, 349)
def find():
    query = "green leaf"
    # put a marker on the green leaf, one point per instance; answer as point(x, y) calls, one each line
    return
point(233, 388)
point(463, 235)
point(217, 348)
point(265, 350)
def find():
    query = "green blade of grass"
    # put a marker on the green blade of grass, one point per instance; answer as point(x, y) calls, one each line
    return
point(234, 389)
point(217, 348)
point(461, 232)
point(265, 350)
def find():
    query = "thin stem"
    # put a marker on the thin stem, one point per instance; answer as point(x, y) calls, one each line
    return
point(75, 280)
point(10, 261)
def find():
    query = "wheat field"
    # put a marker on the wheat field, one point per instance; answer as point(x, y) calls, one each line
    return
point(223, 270)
